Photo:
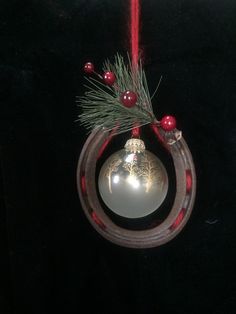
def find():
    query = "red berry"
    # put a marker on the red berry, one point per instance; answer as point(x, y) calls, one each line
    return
point(109, 78)
point(88, 68)
point(128, 99)
point(168, 123)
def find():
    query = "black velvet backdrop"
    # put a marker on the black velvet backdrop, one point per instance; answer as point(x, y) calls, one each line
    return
point(52, 261)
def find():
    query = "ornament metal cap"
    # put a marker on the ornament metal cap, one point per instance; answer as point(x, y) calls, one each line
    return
point(135, 145)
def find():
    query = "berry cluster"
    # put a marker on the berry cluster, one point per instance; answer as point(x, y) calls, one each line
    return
point(129, 98)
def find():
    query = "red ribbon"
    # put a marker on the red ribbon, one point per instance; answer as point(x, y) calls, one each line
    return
point(134, 28)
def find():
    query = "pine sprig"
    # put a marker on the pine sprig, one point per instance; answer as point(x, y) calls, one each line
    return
point(101, 105)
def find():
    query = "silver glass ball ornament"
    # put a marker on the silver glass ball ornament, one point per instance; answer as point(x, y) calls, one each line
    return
point(133, 182)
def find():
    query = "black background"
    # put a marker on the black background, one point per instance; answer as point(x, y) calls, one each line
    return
point(51, 258)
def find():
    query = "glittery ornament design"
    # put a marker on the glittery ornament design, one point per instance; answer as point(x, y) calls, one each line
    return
point(150, 172)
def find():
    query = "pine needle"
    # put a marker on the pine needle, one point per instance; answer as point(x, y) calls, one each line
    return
point(101, 104)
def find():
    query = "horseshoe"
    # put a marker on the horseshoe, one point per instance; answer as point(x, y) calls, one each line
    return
point(179, 213)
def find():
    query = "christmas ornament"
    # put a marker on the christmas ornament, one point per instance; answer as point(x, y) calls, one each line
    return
point(131, 183)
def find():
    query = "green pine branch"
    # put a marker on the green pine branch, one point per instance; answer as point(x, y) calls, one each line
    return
point(101, 104)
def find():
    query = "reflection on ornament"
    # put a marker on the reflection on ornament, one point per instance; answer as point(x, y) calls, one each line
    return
point(116, 179)
point(133, 182)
